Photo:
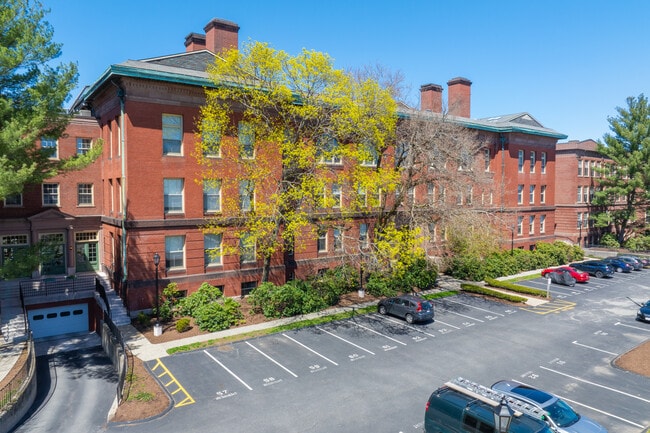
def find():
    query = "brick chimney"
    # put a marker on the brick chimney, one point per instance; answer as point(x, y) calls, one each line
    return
point(431, 98)
point(221, 35)
point(459, 97)
point(194, 42)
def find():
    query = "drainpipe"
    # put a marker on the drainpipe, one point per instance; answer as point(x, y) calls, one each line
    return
point(121, 94)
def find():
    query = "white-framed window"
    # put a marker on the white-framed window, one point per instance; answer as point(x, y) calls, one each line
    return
point(373, 160)
point(586, 172)
point(363, 235)
point(410, 194)
point(580, 164)
point(246, 136)
point(211, 196)
point(431, 192)
point(520, 194)
point(469, 196)
point(362, 196)
point(532, 161)
point(83, 145)
point(172, 132)
point(337, 195)
point(329, 151)
point(542, 194)
point(520, 225)
point(579, 220)
point(51, 146)
point(586, 194)
point(173, 195)
point(13, 200)
point(542, 223)
point(212, 249)
point(174, 252)
point(338, 239)
point(50, 194)
point(211, 139)
point(433, 231)
point(247, 253)
point(531, 225)
point(322, 240)
point(84, 194)
point(486, 158)
point(246, 195)
point(580, 194)
point(87, 251)
point(531, 194)
point(543, 161)
point(10, 244)
point(520, 161)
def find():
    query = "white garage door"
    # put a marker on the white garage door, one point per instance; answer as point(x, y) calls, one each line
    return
point(46, 322)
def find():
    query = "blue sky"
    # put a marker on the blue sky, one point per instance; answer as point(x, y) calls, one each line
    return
point(569, 63)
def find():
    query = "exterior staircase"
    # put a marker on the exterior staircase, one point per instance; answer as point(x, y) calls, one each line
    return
point(12, 318)
point(116, 309)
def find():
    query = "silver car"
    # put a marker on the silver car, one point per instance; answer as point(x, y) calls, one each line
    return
point(562, 417)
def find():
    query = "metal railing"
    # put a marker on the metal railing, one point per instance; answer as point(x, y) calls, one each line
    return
point(11, 392)
point(57, 286)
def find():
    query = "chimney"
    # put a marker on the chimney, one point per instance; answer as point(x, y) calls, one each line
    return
point(459, 97)
point(221, 35)
point(194, 42)
point(431, 98)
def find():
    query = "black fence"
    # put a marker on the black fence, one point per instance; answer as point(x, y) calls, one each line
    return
point(122, 359)
point(57, 286)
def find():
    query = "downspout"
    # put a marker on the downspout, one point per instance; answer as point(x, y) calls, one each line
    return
point(121, 94)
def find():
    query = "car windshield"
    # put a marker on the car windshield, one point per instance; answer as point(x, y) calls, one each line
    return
point(562, 414)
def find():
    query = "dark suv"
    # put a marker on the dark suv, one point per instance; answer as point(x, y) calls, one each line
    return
point(409, 307)
point(596, 268)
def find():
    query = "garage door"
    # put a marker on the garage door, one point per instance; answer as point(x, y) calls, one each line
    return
point(47, 322)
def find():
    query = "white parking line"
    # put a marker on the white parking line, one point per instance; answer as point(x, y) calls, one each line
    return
point(272, 360)
point(406, 325)
point(633, 327)
point(378, 333)
point(447, 324)
point(594, 348)
point(228, 370)
point(595, 384)
point(476, 308)
point(310, 349)
point(344, 340)
point(603, 412)
point(463, 315)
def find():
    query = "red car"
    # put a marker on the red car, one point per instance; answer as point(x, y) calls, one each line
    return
point(580, 277)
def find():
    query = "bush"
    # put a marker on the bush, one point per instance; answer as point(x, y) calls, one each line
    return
point(420, 274)
point(609, 240)
point(206, 294)
point(335, 282)
point(515, 287)
point(293, 298)
point(378, 285)
point(168, 302)
point(473, 288)
point(143, 319)
point(638, 243)
point(217, 316)
point(182, 324)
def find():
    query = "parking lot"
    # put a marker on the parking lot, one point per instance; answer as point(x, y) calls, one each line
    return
point(374, 373)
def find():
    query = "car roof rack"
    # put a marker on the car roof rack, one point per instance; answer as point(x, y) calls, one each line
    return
point(494, 398)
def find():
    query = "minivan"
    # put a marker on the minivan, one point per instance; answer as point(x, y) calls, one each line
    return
point(454, 409)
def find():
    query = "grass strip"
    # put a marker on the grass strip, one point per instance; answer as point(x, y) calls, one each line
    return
point(480, 290)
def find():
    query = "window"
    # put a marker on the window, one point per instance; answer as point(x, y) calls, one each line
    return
point(336, 195)
point(14, 200)
point(174, 252)
point(50, 194)
point(470, 195)
point(542, 194)
point(212, 249)
point(83, 145)
point(211, 140)
point(86, 250)
point(173, 195)
point(431, 193)
point(410, 194)
point(579, 194)
point(433, 231)
point(531, 194)
point(585, 194)
point(586, 171)
point(246, 195)
point(579, 220)
point(362, 196)
point(85, 194)
point(246, 136)
point(520, 224)
point(363, 235)
point(211, 196)
point(580, 167)
point(50, 146)
point(486, 158)
point(9, 245)
point(520, 194)
point(520, 162)
point(531, 225)
point(322, 240)
point(532, 161)
point(53, 253)
point(247, 287)
point(247, 252)
point(172, 132)
point(543, 158)
point(338, 239)
point(329, 152)
point(373, 159)
point(542, 223)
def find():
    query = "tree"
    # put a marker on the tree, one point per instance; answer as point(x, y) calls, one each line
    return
point(626, 175)
point(292, 134)
point(32, 94)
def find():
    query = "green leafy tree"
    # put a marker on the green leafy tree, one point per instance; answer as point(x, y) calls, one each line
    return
point(32, 93)
point(627, 176)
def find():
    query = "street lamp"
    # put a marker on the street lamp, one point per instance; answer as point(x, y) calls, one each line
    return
point(156, 262)
point(580, 236)
point(502, 416)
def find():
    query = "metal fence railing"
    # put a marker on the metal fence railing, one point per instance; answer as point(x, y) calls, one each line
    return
point(12, 390)
point(57, 286)
point(123, 362)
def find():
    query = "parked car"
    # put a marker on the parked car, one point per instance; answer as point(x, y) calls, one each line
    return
point(645, 261)
point(560, 414)
point(579, 276)
point(632, 261)
point(618, 264)
point(409, 307)
point(597, 268)
point(644, 312)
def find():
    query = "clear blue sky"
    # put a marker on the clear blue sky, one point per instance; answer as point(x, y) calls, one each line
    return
point(569, 63)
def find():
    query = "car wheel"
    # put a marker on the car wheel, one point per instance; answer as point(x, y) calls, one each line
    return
point(599, 274)
point(409, 318)
point(382, 310)
point(619, 269)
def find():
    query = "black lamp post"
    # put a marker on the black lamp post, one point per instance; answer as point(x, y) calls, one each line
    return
point(156, 262)
point(512, 240)
point(502, 416)
point(580, 236)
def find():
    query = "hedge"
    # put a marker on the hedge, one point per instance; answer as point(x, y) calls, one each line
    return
point(473, 288)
